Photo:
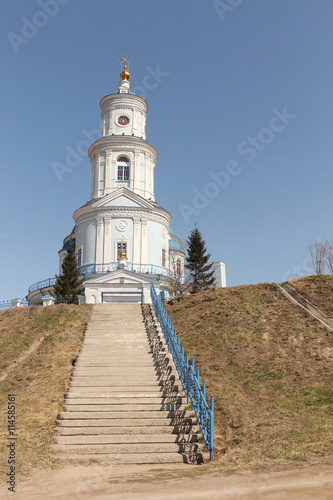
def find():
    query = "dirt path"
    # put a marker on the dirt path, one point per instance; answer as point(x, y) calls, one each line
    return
point(140, 482)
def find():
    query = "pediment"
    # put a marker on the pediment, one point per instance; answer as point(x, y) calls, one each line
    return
point(123, 197)
point(120, 276)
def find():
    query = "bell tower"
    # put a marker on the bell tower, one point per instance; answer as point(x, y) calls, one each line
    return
point(122, 157)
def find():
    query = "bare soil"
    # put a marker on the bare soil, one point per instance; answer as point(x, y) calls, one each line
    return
point(178, 483)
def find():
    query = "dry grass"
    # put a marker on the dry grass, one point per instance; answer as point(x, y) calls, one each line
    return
point(269, 366)
point(39, 381)
point(317, 289)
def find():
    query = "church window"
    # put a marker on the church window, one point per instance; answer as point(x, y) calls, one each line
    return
point(79, 257)
point(123, 168)
point(123, 120)
point(121, 246)
point(178, 266)
point(163, 258)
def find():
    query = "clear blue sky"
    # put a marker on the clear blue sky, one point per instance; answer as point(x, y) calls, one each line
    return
point(220, 74)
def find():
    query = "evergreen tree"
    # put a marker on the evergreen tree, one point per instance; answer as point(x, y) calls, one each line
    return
point(69, 285)
point(201, 276)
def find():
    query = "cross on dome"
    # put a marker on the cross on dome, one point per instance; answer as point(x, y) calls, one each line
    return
point(125, 75)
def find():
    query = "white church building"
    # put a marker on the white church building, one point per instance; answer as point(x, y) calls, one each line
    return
point(122, 236)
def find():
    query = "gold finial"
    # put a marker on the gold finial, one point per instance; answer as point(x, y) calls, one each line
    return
point(125, 75)
point(122, 254)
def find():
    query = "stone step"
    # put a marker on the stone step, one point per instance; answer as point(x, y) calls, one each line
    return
point(136, 458)
point(174, 416)
point(100, 383)
point(125, 448)
point(114, 361)
point(125, 408)
point(134, 398)
point(137, 392)
point(106, 439)
point(111, 423)
point(144, 429)
point(88, 371)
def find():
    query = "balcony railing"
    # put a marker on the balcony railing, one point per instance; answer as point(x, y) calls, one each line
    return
point(107, 268)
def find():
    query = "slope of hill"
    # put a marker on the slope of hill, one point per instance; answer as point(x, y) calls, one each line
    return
point(37, 346)
point(318, 290)
point(269, 365)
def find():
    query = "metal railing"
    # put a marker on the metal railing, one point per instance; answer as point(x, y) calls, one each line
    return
point(23, 303)
point(189, 377)
point(42, 284)
point(5, 305)
point(104, 269)
point(113, 266)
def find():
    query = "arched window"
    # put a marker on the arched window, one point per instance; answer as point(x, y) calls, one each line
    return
point(123, 168)
point(179, 266)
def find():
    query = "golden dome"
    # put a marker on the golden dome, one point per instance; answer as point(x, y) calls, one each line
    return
point(125, 75)
point(122, 254)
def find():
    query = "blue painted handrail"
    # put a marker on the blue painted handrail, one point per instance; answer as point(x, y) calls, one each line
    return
point(106, 268)
point(187, 374)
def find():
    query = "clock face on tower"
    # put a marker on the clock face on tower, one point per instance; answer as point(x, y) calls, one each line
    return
point(123, 120)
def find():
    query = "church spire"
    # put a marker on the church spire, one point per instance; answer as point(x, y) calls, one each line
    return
point(124, 84)
point(125, 75)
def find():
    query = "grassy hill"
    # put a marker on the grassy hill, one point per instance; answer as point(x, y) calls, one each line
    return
point(269, 366)
point(267, 362)
point(37, 346)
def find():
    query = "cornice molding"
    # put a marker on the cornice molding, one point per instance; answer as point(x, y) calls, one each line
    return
point(122, 142)
point(161, 216)
point(112, 100)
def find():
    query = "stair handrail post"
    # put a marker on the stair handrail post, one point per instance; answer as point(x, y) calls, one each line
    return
point(187, 380)
point(211, 426)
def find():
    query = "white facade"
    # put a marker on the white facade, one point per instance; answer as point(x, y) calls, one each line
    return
point(122, 215)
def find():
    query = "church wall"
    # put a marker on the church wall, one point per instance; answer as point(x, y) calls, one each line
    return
point(122, 235)
point(156, 242)
point(87, 235)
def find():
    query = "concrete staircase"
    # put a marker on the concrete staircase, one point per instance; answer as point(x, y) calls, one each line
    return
point(125, 403)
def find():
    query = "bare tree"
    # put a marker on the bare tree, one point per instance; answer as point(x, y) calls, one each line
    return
point(329, 257)
point(178, 283)
point(319, 252)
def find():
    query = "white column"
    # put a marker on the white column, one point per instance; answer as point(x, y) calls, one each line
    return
point(137, 171)
point(143, 126)
point(146, 193)
point(111, 122)
point(113, 171)
point(92, 176)
point(99, 240)
point(107, 242)
point(131, 173)
point(96, 190)
point(144, 248)
point(135, 122)
point(103, 126)
point(152, 167)
point(108, 173)
point(136, 241)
